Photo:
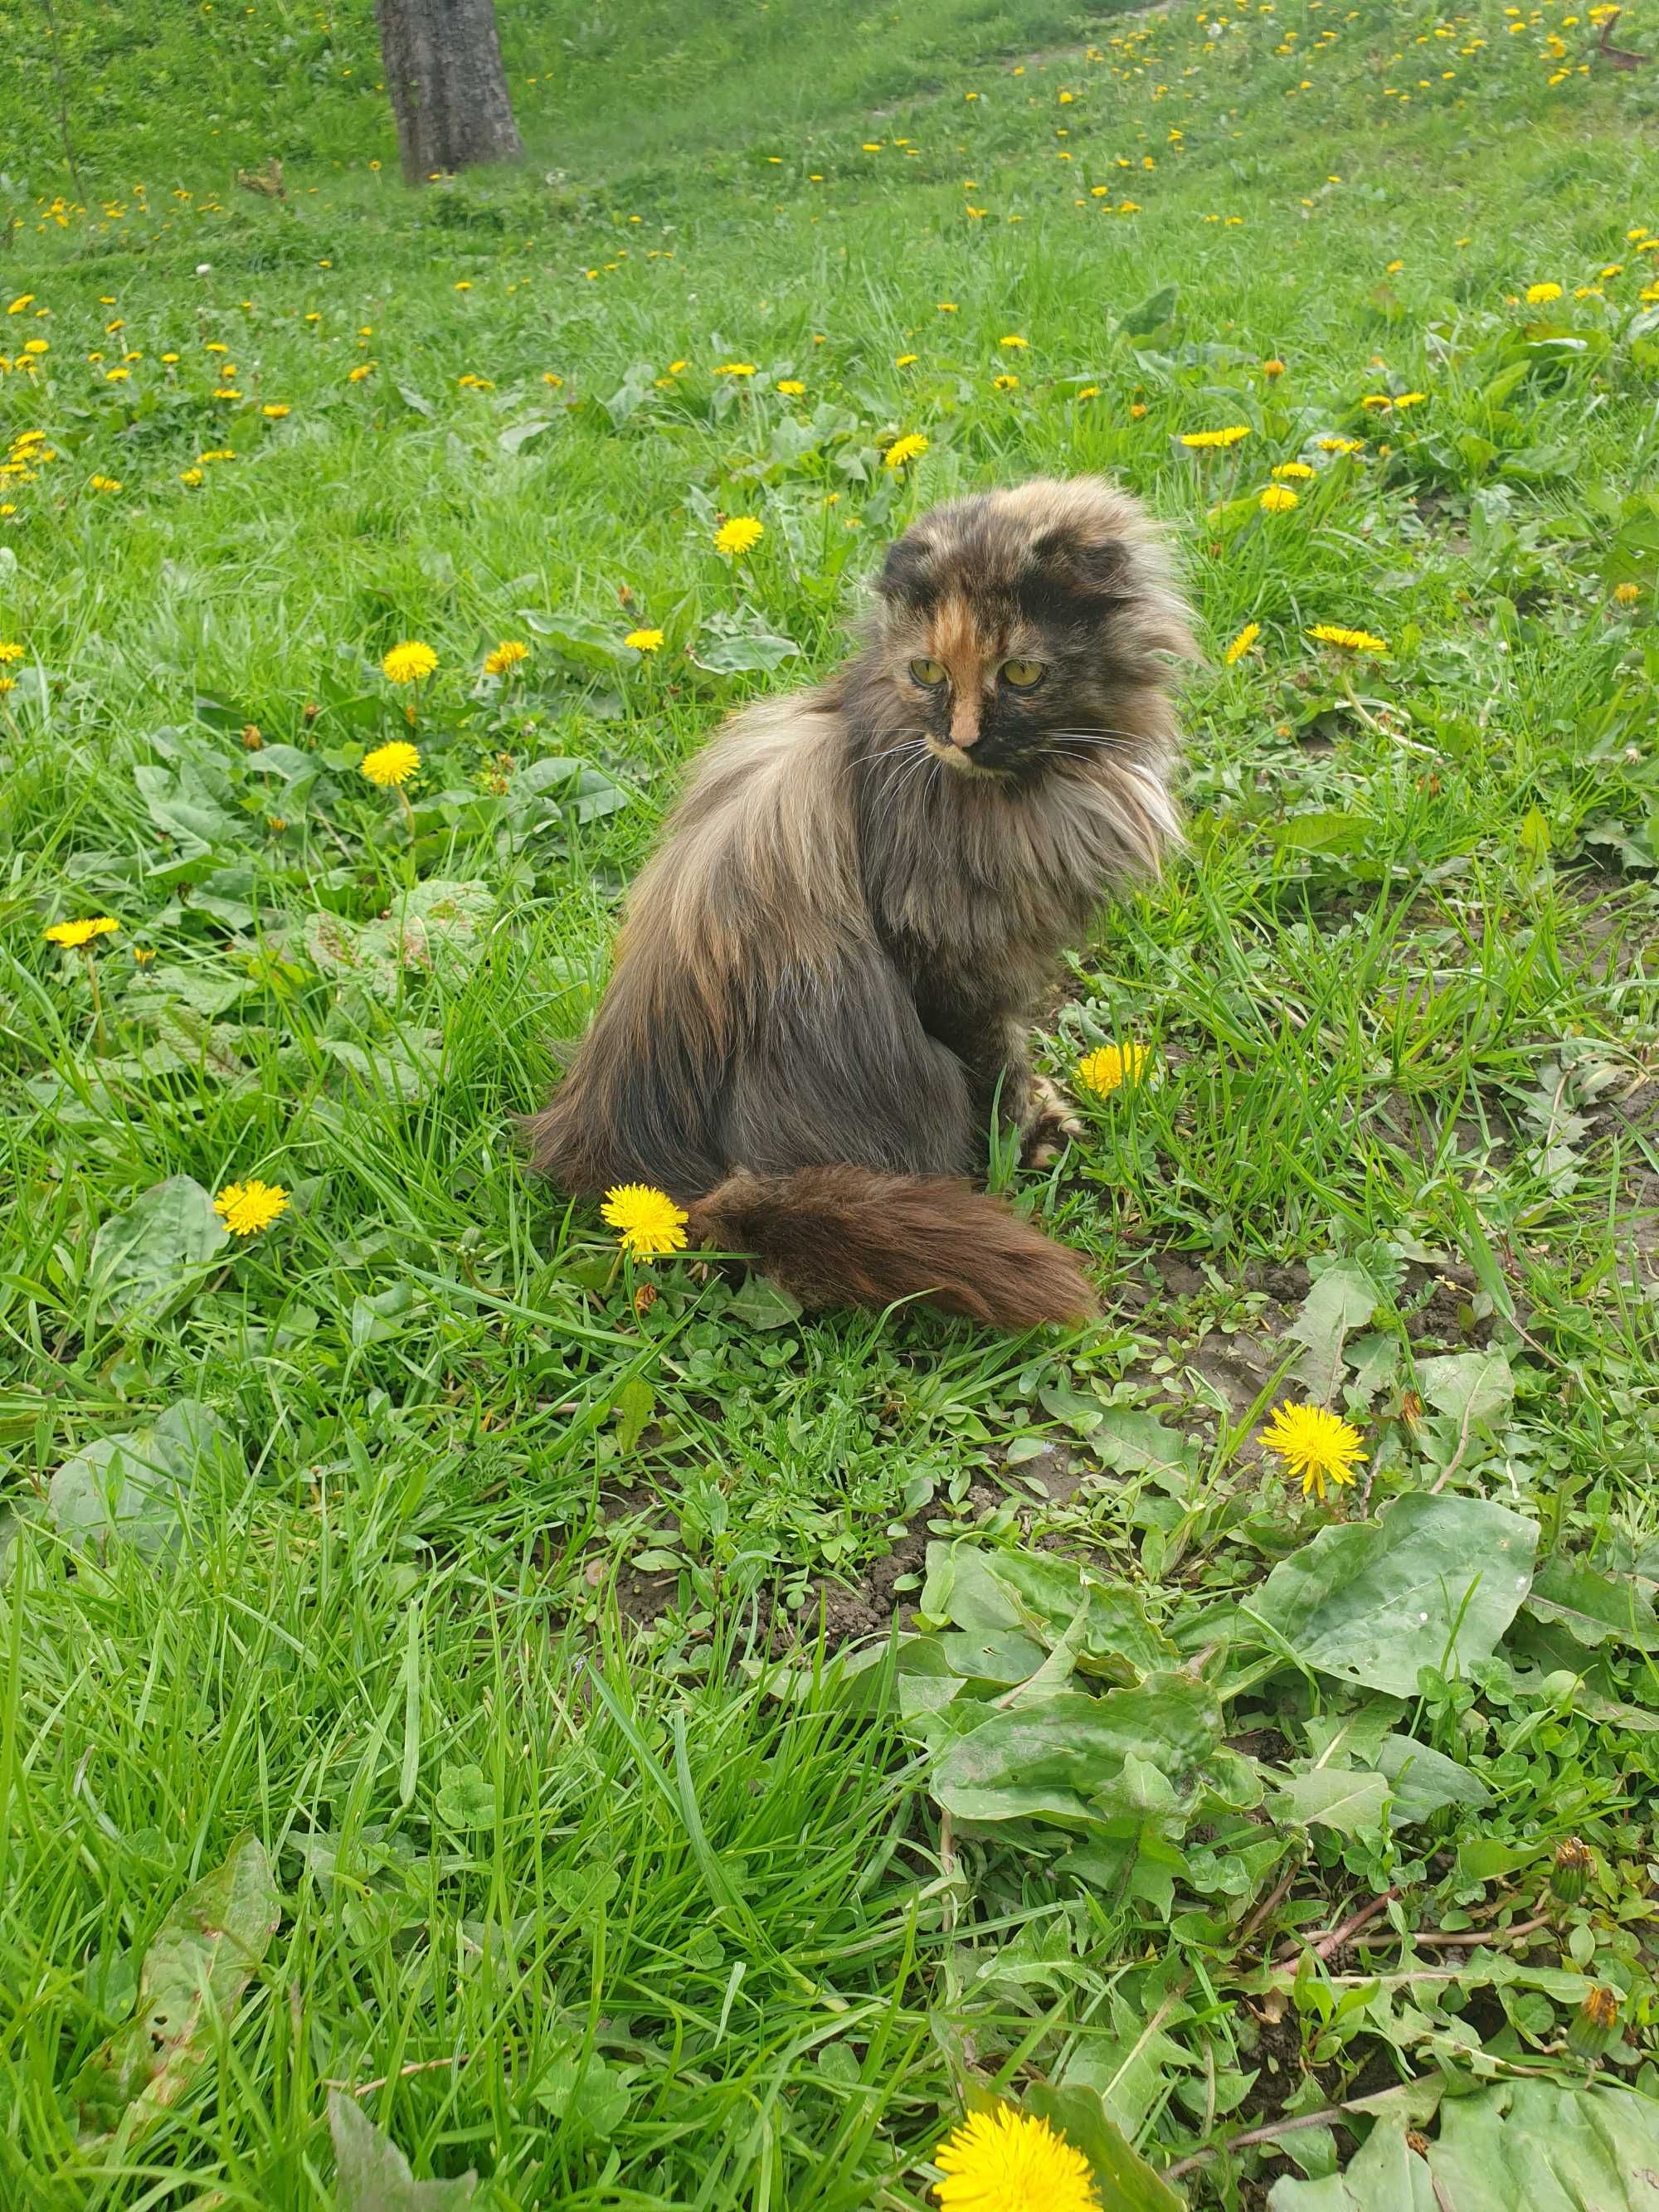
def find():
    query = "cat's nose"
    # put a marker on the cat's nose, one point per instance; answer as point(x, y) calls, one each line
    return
point(964, 723)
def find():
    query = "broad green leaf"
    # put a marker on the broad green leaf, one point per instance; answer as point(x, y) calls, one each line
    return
point(1347, 1799)
point(1151, 314)
point(589, 644)
point(198, 1963)
point(1468, 1386)
point(758, 1302)
point(1488, 1858)
point(371, 2174)
point(1433, 1582)
point(1593, 1607)
point(1128, 2073)
point(1039, 1593)
point(1539, 2147)
point(1342, 1300)
point(1123, 2178)
point(1386, 2175)
point(1134, 1443)
point(436, 928)
point(134, 1487)
point(633, 1405)
point(465, 1799)
point(1424, 1781)
point(1063, 1758)
point(1318, 830)
point(584, 2093)
point(727, 656)
point(518, 435)
point(144, 1258)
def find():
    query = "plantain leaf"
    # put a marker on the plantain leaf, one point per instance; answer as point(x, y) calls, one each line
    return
point(198, 1963)
point(371, 2174)
point(1433, 1582)
point(141, 1260)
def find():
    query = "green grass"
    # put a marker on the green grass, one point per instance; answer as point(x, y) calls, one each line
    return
point(505, 1615)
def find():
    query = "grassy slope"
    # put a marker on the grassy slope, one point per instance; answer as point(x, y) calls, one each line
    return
point(1400, 996)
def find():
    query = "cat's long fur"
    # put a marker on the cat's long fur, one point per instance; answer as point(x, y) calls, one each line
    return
point(826, 969)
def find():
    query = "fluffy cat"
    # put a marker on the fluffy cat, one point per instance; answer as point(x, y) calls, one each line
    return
point(826, 973)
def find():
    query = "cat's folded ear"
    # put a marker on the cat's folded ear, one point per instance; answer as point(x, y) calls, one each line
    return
point(1067, 563)
point(909, 575)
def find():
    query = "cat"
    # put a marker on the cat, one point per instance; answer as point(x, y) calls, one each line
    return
point(825, 976)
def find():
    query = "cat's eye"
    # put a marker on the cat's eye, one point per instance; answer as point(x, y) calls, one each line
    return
point(928, 673)
point(1023, 675)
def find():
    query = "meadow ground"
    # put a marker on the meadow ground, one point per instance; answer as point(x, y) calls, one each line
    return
point(507, 1654)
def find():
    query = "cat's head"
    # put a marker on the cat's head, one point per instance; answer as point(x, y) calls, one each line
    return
point(1019, 627)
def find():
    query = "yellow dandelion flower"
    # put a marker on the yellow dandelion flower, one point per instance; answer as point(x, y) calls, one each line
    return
point(905, 360)
point(116, 376)
point(27, 300)
point(1277, 499)
point(1408, 399)
point(548, 377)
point(1087, 391)
point(190, 479)
point(409, 662)
point(105, 483)
point(735, 368)
point(276, 410)
point(1004, 383)
point(1379, 402)
point(247, 1207)
point(791, 386)
point(647, 1220)
point(1242, 644)
point(644, 641)
point(508, 654)
point(1014, 344)
point(1540, 295)
point(1317, 1447)
point(1109, 1067)
point(1273, 366)
point(1209, 440)
point(391, 766)
point(1355, 640)
point(1344, 445)
point(8, 653)
point(1008, 2162)
point(739, 535)
point(946, 306)
point(71, 935)
point(1288, 470)
point(910, 447)
point(363, 368)
point(1626, 594)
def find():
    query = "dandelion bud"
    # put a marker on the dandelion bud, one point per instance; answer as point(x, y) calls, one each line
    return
point(1596, 2022)
point(644, 1297)
point(252, 738)
point(1575, 1862)
point(311, 710)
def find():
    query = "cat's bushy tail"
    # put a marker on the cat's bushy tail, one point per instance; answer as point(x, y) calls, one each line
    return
point(850, 1236)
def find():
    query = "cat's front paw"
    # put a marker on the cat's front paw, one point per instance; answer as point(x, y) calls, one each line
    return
point(1051, 1126)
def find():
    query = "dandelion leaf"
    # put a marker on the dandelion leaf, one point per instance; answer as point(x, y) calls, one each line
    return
point(1386, 2175)
point(1125, 2181)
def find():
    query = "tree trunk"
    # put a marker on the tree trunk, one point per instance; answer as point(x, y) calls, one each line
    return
point(443, 71)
